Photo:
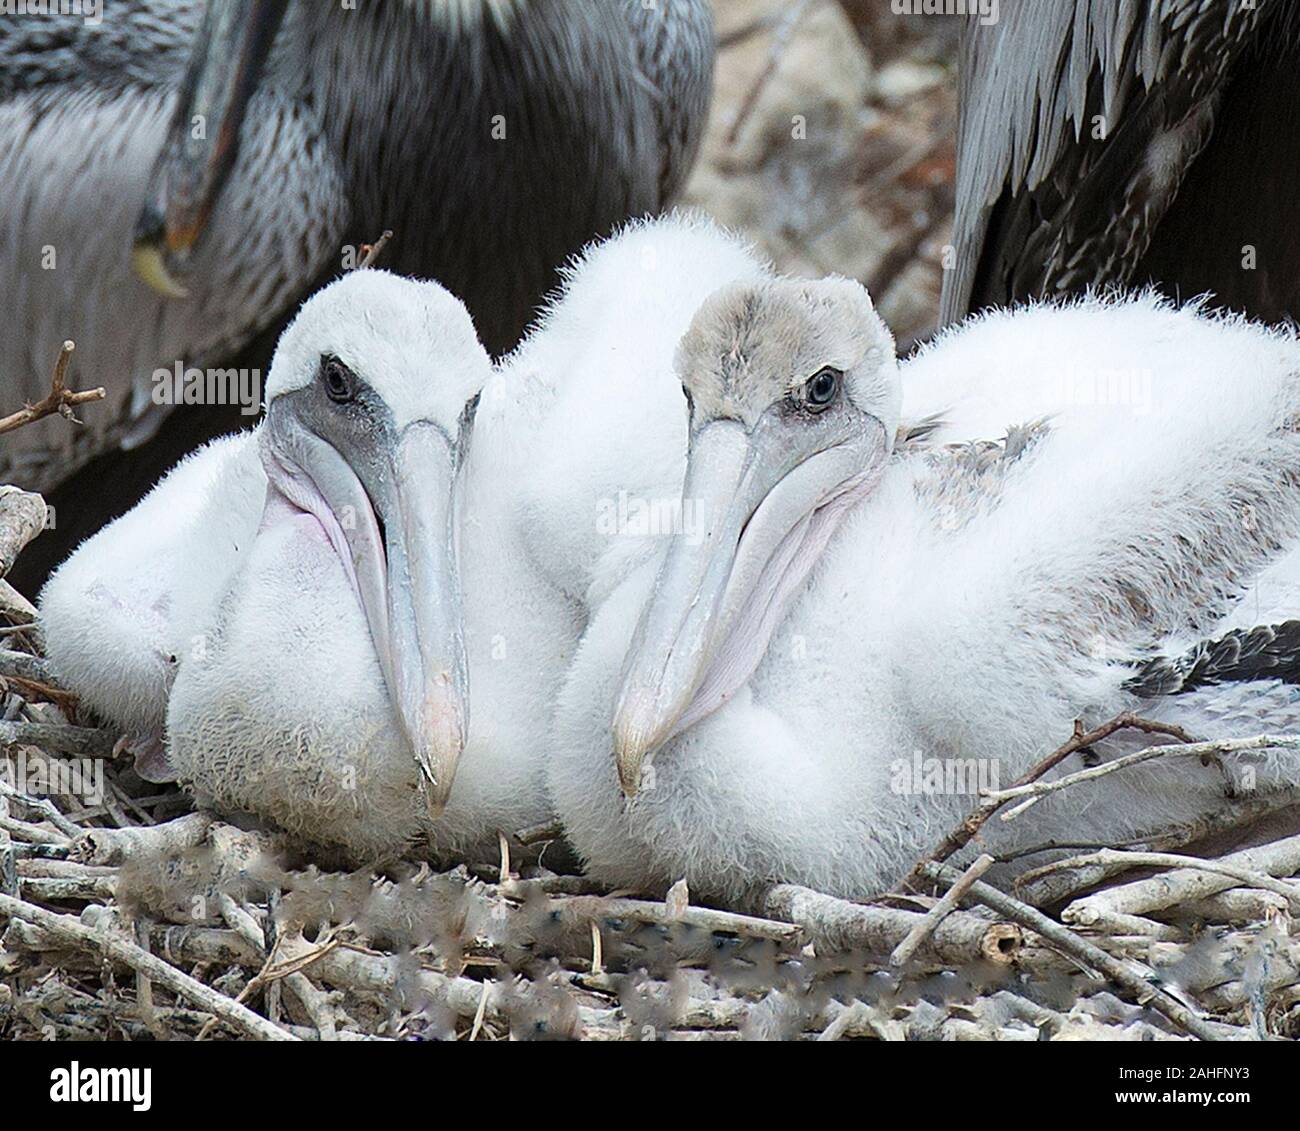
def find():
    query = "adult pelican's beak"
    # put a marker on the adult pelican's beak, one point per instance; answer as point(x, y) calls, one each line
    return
point(202, 142)
point(400, 554)
point(764, 515)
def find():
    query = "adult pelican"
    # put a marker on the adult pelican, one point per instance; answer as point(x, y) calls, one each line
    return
point(235, 152)
point(1124, 142)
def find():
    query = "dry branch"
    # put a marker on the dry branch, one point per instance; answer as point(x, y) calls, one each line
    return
point(965, 832)
point(22, 517)
point(60, 738)
point(60, 399)
point(1281, 858)
point(705, 918)
point(930, 921)
point(370, 252)
point(836, 925)
point(1205, 750)
point(1088, 954)
point(112, 846)
point(67, 929)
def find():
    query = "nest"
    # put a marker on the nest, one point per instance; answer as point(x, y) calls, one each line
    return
point(135, 917)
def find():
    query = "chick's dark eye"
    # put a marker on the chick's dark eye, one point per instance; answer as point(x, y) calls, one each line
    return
point(822, 388)
point(339, 382)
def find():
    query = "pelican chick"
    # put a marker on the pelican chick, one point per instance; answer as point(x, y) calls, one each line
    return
point(751, 708)
point(315, 633)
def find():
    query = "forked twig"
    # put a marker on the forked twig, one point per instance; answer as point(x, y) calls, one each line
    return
point(964, 833)
point(60, 398)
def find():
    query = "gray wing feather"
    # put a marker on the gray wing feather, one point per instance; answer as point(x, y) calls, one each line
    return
point(1031, 85)
point(138, 43)
point(675, 45)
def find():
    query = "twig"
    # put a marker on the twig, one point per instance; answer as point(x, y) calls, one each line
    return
point(316, 1002)
point(940, 911)
point(597, 909)
point(1248, 877)
point(536, 834)
point(16, 607)
point(1088, 954)
point(372, 251)
point(1236, 905)
point(8, 864)
point(60, 399)
point(1039, 888)
point(22, 517)
point(838, 926)
point(1159, 892)
point(42, 806)
point(113, 846)
point(964, 833)
point(60, 738)
point(69, 930)
point(24, 666)
point(30, 834)
point(1036, 790)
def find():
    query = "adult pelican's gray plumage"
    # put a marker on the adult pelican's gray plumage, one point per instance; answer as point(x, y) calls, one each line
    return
point(235, 151)
point(288, 599)
point(1121, 142)
point(756, 707)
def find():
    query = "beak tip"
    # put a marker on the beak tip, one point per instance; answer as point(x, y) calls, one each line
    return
point(435, 799)
point(439, 745)
point(633, 743)
point(151, 266)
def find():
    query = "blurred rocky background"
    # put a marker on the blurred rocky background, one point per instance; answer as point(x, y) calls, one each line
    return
point(832, 144)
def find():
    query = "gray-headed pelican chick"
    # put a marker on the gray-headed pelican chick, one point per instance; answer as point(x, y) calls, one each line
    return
point(755, 709)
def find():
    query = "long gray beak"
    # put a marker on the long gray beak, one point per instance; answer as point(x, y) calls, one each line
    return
point(405, 574)
point(233, 43)
point(724, 589)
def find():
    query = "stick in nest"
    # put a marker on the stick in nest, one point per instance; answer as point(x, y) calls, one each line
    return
point(1032, 791)
point(60, 398)
point(964, 833)
point(69, 930)
point(1088, 954)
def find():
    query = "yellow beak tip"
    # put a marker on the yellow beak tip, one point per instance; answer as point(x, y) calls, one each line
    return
point(152, 270)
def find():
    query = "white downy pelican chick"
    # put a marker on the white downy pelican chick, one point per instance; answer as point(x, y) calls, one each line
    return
point(336, 651)
point(588, 407)
point(301, 582)
point(755, 709)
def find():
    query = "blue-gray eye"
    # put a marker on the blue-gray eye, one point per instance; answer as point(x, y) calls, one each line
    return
point(822, 388)
point(339, 381)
